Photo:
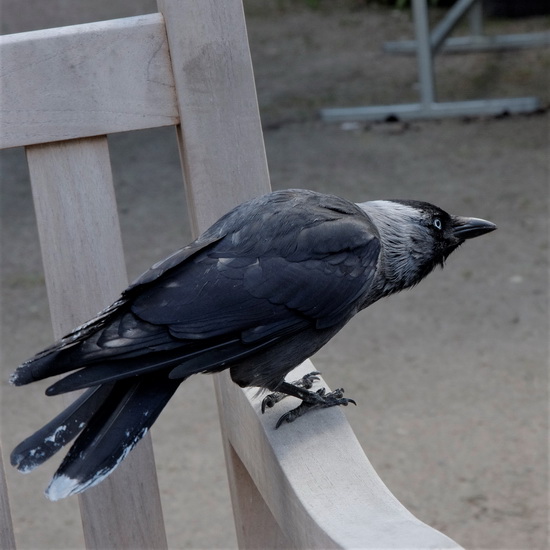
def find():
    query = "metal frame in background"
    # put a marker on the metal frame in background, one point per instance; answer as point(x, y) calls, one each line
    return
point(426, 46)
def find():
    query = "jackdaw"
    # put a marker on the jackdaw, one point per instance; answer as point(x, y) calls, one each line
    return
point(260, 291)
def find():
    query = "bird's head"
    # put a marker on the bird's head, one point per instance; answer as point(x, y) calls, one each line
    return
point(416, 237)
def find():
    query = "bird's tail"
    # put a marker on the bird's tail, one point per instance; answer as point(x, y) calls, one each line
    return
point(110, 418)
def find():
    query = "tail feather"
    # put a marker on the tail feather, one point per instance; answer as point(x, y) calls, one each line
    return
point(34, 369)
point(43, 444)
point(113, 431)
point(58, 358)
point(181, 366)
point(117, 369)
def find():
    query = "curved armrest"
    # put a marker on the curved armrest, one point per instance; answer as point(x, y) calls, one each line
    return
point(313, 477)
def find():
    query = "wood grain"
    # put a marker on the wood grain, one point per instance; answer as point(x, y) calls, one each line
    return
point(85, 271)
point(85, 80)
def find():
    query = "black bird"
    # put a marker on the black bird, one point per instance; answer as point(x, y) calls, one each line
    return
point(259, 292)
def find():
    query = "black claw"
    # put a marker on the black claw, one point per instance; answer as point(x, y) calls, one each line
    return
point(311, 400)
point(321, 400)
point(284, 418)
point(270, 400)
point(306, 382)
point(293, 414)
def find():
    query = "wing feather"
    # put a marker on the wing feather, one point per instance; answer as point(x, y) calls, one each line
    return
point(269, 269)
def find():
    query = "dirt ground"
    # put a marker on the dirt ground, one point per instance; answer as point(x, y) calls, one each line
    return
point(451, 378)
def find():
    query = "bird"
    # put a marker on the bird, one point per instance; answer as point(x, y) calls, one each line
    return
point(259, 292)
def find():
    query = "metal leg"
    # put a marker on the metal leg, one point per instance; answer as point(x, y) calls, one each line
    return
point(424, 52)
point(425, 46)
point(449, 22)
point(476, 41)
point(475, 19)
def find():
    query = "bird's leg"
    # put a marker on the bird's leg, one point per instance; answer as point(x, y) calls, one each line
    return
point(310, 400)
point(321, 400)
point(306, 382)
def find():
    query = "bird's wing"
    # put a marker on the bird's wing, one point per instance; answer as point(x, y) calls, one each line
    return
point(257, 276)
point(274, 272)
point(83, 343)
point(298, 261)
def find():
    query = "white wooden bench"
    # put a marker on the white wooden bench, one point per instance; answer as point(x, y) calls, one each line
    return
point(63, 90)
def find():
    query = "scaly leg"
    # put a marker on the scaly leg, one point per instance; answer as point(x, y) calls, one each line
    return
point(310, 400)
point(305, 382)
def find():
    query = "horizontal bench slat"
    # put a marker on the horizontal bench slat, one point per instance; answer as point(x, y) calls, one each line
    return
point(87, 80)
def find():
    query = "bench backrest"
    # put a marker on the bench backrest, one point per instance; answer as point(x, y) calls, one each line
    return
point(188, 66)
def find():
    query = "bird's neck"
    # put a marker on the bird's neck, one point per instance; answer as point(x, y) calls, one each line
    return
point(400, 255)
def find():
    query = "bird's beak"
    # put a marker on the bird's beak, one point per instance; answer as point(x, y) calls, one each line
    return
point(468, 228)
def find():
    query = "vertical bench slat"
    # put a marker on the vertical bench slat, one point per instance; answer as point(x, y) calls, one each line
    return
point(221, 139)
point(78, 228)
point(7, 539)
point(255, 525)
point(224, 163)
point(85, 271)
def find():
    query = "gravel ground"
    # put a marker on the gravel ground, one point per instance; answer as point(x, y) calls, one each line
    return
point(451, 378)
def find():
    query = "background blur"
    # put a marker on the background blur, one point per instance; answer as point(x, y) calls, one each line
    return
point(451, 379)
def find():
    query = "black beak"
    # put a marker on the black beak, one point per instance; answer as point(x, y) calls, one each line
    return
point(468, 228)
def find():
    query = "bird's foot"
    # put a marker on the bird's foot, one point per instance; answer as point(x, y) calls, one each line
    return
point(306, 382)
point(320, 400)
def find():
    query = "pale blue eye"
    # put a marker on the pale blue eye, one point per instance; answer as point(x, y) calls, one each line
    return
point(437, 223)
